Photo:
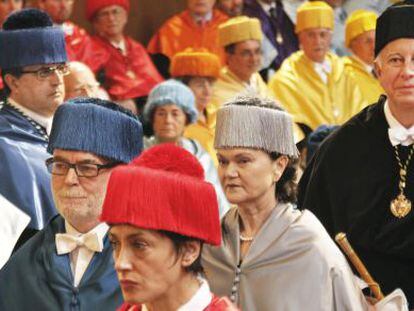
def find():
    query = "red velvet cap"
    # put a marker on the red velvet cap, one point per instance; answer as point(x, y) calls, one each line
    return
point(164, 189)
point(93, 6)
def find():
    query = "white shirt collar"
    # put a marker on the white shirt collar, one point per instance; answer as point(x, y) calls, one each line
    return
point(323, 69)
point(46, 122)
point(120, 46)
point(200, 301)
point(206, 18)
point(267, 6)
point(100, 230)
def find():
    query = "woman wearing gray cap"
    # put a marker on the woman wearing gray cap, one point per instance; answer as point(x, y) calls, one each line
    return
point(273, 256)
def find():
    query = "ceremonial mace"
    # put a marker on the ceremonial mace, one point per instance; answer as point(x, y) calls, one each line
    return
point(346, 247)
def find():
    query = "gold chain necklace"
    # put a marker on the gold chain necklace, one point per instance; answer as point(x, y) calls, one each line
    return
point(401, 206)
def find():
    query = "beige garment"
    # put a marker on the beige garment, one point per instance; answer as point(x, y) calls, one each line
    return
point(291, 265)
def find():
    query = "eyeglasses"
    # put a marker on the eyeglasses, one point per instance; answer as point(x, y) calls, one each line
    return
point(46, 72)
point(61, 168)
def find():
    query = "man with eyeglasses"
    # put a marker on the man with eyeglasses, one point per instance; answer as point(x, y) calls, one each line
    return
point(312, 84)
point(241, 39)
point(129, 73)
point(32, 63)
point(68, 265)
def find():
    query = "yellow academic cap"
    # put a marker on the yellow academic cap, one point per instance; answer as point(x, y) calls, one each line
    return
point(195, 62)
point(238, 29)
point(357, 23)
point(314, 14)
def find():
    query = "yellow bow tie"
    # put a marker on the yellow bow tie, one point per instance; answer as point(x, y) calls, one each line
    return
point(66, 243)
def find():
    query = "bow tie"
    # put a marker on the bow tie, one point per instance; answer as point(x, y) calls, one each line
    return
point(66, 243)
point(401, 136)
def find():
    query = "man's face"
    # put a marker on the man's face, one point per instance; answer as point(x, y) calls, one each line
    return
point(79, 199)
point(7, 7)
point(41, 95)
point(59, 10)
point(363, 46)
point(110, 21)
point(200, 7)
point(246, 59)
point(395, 70)
point(81, 82)
point(315, 43)
point(231, 7)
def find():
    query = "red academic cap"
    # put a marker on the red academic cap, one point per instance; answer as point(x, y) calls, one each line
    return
point(93, 6)
point(164, 189)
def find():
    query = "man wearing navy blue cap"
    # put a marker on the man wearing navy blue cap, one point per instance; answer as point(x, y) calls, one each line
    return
point(68, 265)
point(32, 63)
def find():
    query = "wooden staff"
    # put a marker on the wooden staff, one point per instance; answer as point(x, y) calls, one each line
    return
point(362, 270)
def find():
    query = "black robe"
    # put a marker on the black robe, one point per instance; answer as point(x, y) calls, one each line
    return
point(349, 185)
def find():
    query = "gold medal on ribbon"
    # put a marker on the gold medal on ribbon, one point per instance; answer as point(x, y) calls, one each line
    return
point(400, 206)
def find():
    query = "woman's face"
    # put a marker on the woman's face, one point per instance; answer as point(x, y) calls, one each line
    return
point(147, 265)
point(169, 123)
point(202, 88)
point(248, 175)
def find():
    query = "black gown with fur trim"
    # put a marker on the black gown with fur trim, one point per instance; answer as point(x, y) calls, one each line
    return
point(349, 185)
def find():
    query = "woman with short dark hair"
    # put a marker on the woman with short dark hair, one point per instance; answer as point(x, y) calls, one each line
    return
point(161, 212)
point(273, 256)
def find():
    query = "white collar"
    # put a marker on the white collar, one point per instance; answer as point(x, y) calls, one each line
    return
point(391, 120)
point(266, 6)
point(120, 46)
point(200, 301)
point(206, 18)
point(325, 66)
point(100, 230)
point(46, 122)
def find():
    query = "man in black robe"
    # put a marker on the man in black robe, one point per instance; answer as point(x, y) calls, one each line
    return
point(361, 180)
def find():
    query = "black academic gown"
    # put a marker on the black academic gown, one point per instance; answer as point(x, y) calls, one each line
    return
point(36, 278)
point(349, 185)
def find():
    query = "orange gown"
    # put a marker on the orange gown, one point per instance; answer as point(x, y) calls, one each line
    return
point(181, 32)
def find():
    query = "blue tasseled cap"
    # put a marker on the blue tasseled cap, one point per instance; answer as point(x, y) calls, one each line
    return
point(29, 38)
point(171, 92)
point(97, 126)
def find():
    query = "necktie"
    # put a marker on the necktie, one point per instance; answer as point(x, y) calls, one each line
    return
point(401, 136)
point(66, 243)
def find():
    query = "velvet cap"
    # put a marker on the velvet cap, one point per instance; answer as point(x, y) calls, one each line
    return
point(164, 189)
point(396, 22)
point(357, 23)
point(93, 6)
point(97, 126)
point(195, 63)
point(239, 29)
point(171, 92)
point(314, 14)
point(257, 123)
point(29, 38)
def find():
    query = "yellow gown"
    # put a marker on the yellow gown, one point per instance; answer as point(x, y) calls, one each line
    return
point(228, 86)
point(203, 132)
point(370, 87)
point(301, 91)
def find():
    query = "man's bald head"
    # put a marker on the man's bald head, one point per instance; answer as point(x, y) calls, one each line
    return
point(80, 81)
